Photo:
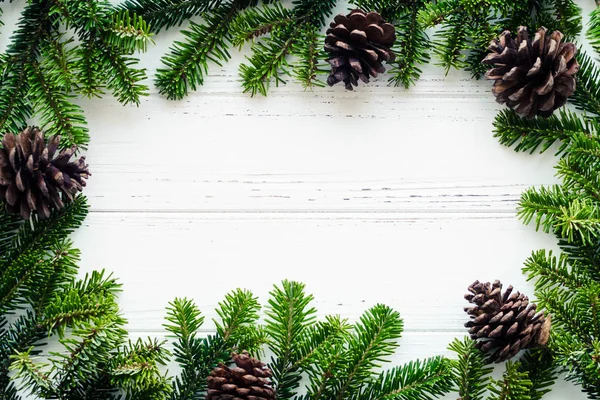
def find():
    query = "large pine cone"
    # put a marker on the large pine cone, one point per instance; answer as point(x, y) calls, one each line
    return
point(249, 380)
point(358, 44)
point(504, 324)
point(33, 179)
point(532, 77)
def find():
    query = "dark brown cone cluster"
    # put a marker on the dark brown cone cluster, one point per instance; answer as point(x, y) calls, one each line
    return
point(533, 77)
point(504, 323)
point(358, 44)
point(248, 380)
point(33, 178)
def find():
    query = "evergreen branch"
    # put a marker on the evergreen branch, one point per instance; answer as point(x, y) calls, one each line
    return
point(87, 300)
point(19, 337)
point(411, 47)
point(289, 315)
point(318, 340)
point(134, 369)
point(58, 115)
point(31, 373)
point(514, 385)
point(87, 352)
point(268, 61)
point(550, 271)
point(187, 62)
point(554, 211)
point(129, 32)
point(541, 371)
point(239, 313)
point(9, 226)
point(196, 356)
point(164, 14)
point(41, 234)
point(89, 70)
point(529, 135)
point(470, 371)
point(374, 338)
point(587, 93)
point(31, 29)
point(122, 78)
point(593, 33)
point(417, 380)
point(310, 54)
point(255, 22)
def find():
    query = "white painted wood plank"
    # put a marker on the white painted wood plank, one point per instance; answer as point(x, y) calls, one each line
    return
point(420, 264)
point(216, 154)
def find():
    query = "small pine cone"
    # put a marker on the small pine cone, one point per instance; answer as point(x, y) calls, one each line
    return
point(248, 380)
point(504, 324)
point(533, 77)
point(33, 178)
point(358, 44)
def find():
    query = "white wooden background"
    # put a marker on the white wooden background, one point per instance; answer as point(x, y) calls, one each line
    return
point(377, 195)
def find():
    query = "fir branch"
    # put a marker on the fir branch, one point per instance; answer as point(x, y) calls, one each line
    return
point(128, 32)
point(593, 33)
point(541, 370)
point(310, 55)
point(540, 133)
point(87, 300)
point(514, 385)
point(187, 62)
point(134, 369)
point(469, 370)
point(196, 356)
point(289, 315)
point(54, 107)
point(587, 93)
point(255, 22)
point(238, 328)
point(40, 234)
point(417, 380)
point(268, 61)
point(20, 336)
point(374, 338)
point(550, 271)
point(164, 14)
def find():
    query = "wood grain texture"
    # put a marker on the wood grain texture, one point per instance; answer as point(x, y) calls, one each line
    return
point(377, 195)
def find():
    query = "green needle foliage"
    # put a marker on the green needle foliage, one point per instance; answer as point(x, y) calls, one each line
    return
point(593, 33)
point(412, 43)
point(46, 67)
point(567, 284)
point(336, 360)
point(467, 26)
point(41, 299)
point(293, 32)
point(529, 378)
point(198, 356)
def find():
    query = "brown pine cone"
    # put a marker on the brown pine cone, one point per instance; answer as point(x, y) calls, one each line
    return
point(358, 44)
point(533, 77)
point(248, 380)
point(33, 179)
point(504, 324)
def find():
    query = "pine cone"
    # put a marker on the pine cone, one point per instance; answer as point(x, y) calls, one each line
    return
point(504, 324)
point(33, 179)
point(532, 77)
point(358, 43)
point(249, 380)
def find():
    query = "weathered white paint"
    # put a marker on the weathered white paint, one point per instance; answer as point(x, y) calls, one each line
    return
point(378, 195)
